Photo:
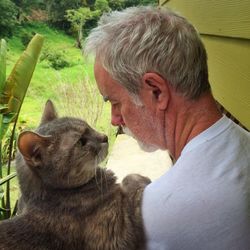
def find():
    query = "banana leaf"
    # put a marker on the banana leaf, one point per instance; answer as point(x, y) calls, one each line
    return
point(6, 119)
point(7, 178)
point(16, 85)
point(19, 79)
point(12, 93)
point(3, 49)
point(1, 192)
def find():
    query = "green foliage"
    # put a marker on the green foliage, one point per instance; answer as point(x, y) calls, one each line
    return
point(130, 3)
point(56, 59)
point(13, 12)
point(102, 6)
point(26, 5)
point(116, 4)
point(78, 18)
point(8, 13)
point(57, 11)
point(61, 14)
point(13, 91)
point(6, 142)
point(3, 50)
point(90, 3)
point(83, 19)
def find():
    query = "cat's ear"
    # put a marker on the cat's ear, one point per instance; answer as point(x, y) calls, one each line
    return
point(31, 145)
point(49, 113)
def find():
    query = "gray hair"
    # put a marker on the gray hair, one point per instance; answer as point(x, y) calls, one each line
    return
point(138, 40)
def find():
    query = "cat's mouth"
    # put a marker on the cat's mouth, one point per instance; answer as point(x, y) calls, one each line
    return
point(103, 152)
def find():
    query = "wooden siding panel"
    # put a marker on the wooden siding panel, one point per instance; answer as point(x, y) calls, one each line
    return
point(229, 74)
point(228, 18)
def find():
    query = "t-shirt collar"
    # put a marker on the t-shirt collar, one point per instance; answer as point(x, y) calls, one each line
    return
point(218, 127)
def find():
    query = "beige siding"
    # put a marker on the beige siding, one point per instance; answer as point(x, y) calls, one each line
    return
point(222, 17)
point(225, 29)
point(230, 74)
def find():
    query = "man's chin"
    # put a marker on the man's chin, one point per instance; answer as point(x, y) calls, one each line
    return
point(146, 147)
point(143, 146)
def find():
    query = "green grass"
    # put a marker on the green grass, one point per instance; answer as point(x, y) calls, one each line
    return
point(44, 78)
point(48, 83)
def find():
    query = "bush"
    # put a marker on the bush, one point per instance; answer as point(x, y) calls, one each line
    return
point(56, 59)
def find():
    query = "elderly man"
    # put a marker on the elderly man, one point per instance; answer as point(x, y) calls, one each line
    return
point(151, 66)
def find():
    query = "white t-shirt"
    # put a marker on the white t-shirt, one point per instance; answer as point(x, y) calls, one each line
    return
point(203, 201)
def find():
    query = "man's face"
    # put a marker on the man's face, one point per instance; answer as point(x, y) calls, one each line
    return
point(139, 119)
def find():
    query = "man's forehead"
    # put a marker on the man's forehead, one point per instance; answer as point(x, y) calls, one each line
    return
point(109, 88)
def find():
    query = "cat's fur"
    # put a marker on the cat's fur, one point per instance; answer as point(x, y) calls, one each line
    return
point(68, 202)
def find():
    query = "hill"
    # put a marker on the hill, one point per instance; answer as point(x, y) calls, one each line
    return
point(71, 88)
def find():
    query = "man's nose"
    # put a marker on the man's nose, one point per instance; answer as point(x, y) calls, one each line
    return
point(117, 120)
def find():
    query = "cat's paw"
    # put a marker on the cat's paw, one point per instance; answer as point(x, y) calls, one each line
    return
point(135, 181)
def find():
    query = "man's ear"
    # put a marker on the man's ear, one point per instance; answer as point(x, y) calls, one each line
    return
point(31, 145)
point(158, 87)
point(49, 113)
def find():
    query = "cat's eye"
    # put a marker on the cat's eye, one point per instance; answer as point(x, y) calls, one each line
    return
point(82, 141)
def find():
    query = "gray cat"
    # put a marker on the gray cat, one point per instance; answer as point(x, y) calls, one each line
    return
point(68, 202)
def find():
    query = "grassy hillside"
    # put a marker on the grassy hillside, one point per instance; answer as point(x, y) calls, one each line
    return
point(71, 88)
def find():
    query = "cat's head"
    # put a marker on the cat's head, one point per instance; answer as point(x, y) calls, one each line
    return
point(63, 152)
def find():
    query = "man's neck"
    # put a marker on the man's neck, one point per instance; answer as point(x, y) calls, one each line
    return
point(186, 119)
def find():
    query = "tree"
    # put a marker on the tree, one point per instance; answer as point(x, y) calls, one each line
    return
point(24, 7)
point(129, 3)
point(8, 14)
point(57, 10)
point(116, 4)
point(85, 18)
point(90, 4)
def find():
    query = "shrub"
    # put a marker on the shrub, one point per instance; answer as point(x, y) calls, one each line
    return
point(56, 59)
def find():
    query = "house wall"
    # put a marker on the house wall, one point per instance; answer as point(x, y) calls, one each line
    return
point(224, 26)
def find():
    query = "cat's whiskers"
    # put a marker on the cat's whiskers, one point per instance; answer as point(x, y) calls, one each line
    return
point(99, 185)
point(86, 153)
point(105, 177)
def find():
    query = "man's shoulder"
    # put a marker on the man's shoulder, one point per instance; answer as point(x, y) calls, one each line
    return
point(212, 162)
point(205, 190)
point(223, 138)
